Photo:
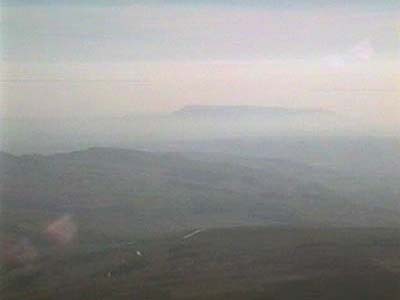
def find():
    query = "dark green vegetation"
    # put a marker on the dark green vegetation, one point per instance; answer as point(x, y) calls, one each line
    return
point(236, 263)
point(140, 193)
point(72, 224)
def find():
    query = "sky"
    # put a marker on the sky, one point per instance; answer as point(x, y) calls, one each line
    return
point(80, 59)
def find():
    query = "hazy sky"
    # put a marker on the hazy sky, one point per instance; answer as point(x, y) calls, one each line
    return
point(84, 59)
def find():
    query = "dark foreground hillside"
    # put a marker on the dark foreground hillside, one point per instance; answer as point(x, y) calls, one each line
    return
point(236, 263)
point(108, 223)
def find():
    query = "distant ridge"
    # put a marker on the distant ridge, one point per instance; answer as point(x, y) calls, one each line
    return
point(246, 111)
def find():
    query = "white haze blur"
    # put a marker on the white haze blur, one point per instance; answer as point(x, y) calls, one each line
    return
point(71, 74)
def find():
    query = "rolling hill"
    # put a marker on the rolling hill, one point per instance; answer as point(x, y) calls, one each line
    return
point(147, 192)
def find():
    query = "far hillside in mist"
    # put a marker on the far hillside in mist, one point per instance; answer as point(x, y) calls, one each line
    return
point(199, 122)
point(241, 111)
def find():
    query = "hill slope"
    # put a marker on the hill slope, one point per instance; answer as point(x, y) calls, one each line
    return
point(237, 263)
point(142, 192)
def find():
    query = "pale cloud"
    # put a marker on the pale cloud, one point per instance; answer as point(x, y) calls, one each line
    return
point(113, 60)
point(97, 89)
point(361, 52)
point(155, 32)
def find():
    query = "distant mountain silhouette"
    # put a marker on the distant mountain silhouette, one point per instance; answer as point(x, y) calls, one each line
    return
point(246, 111)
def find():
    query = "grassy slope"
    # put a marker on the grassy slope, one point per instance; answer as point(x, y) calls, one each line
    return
point(236, 263)
point(126, 191)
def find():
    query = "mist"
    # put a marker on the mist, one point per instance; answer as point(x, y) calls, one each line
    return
point(199, 150)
